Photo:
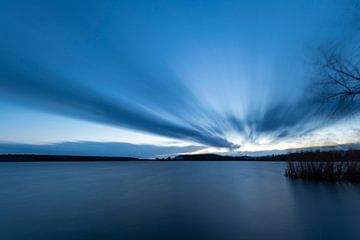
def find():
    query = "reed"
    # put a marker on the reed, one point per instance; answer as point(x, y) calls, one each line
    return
point(347, 171)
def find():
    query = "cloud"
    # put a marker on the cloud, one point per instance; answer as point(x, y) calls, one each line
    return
point(69, 70)
point(42, 90)
point(120, 64)
point(293, 119)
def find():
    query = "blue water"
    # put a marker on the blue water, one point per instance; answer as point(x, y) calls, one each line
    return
point(171, 200)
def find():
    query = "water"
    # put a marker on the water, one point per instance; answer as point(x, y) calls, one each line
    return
point(171, 200)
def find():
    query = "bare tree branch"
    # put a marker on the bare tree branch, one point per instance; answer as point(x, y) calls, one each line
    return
point(340, 77)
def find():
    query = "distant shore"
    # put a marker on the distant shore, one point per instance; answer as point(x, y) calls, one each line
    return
point(348, 155)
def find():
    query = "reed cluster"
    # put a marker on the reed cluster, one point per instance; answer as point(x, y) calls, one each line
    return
point(348, 171)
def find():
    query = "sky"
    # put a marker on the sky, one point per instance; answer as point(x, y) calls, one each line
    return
point(166, 77)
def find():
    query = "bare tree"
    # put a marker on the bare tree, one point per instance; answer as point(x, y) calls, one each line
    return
point(340, 65)
point(340, 77)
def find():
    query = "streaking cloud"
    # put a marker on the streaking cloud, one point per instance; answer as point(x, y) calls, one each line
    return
point(207, 72)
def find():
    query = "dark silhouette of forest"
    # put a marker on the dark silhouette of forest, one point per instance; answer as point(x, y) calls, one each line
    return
point(306, 156)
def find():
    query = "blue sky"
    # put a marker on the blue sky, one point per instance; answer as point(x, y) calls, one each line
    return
point(219, 75)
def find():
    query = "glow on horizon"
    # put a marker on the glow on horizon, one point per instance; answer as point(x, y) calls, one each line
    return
point(345, 132)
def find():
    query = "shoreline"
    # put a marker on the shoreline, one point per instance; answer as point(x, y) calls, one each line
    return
point(328, 156)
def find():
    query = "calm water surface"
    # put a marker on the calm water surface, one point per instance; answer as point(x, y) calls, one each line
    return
point(171, 200)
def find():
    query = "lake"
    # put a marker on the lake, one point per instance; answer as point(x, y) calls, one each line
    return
point(171, 200)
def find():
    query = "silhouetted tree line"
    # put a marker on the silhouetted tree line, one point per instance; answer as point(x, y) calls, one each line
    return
point(309, 156)
point(349, 155)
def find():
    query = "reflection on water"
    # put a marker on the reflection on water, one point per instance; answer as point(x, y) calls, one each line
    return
point(171, 200)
